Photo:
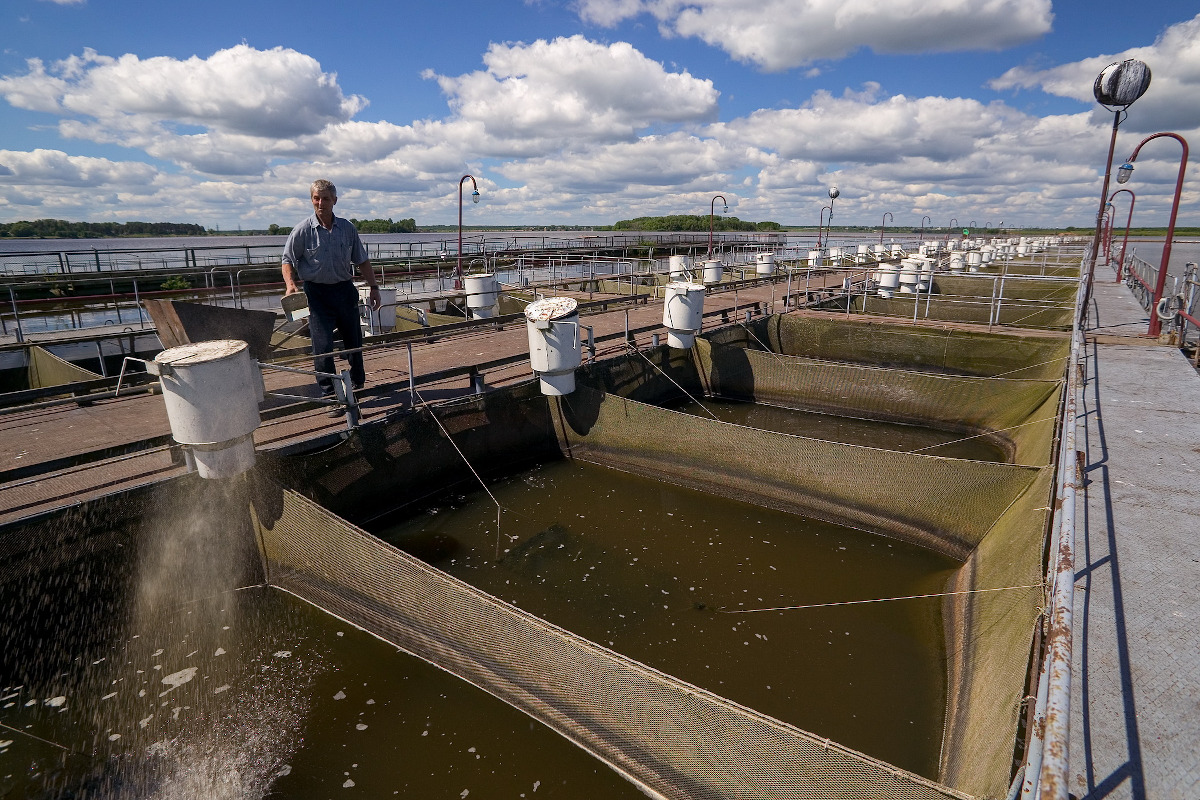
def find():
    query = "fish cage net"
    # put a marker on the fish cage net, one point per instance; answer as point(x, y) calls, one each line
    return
point(1016, 414)
point(1019, 302)
point(671, 738)
point(884, 343)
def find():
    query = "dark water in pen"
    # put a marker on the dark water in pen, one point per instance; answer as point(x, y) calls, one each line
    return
point(656, 571)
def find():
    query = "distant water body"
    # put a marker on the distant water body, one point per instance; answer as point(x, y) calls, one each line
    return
point(184, 242)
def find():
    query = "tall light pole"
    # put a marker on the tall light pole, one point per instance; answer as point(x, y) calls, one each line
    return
point(1110, 211)
point(953, 225)
point(886, 216)
point(833, 195)
point(1116, 88)
point(458, 270)
point(1122, 176)
point(926, 217)
point(1128, 220)
point(712, 210)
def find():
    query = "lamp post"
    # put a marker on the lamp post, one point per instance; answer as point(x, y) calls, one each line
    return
point(1128, 219)
point(833, 195)
point(886, 216)
point(1110, 212)
point(1122, 176)
point(953, 225)
point(1117, 87)
point(712, 210)
point(458, 270)
point(926, 217)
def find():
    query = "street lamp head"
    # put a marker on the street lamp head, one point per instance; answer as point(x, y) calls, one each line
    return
point(1119, 84)
point(833, 192)
point(475, 196)
point(725, 209)
point(1124, 172)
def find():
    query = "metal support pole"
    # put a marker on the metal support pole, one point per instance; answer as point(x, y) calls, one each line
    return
point(412, 379)
point(100, 355)
point(137, 301)
point(591, 342)
point(16, 315)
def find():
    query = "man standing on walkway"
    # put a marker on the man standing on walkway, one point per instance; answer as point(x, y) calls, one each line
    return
point(322, 252)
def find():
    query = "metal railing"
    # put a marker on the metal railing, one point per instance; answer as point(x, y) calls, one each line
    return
point(1044, 775)
point(95, 260)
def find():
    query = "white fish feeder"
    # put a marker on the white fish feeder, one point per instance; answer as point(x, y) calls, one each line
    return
point(681, 268)
point(925, 275)
point(974, 260)
point(863, 254)
point(765, 264)
point(483, 295)
point(816, 258)
point(554, 351)
point(713, 270)
point(382, 319)
point(683, 313)
point(212, 391)
point(835, 256)
point(897, 250)
point(988, 252)
point(880, 251)
point(952, 245)
point(889, 280)
point(910, 270)
point(956, 263)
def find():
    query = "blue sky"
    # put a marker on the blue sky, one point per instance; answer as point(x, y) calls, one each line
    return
point(587, 111)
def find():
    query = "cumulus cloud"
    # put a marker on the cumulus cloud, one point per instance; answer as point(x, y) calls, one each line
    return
point(782, 34)
point(1172, 101)
point(554, 130)
point(573, 88)
point(860, 127)
point(56, 168)
point(247, 103)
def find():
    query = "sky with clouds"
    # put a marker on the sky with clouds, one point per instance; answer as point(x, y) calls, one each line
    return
point(588, 111)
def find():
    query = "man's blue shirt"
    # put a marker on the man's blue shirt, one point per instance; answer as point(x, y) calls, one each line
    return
point(324, 256)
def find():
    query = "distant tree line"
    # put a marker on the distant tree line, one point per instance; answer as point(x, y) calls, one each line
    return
point(691, 222)
point(62, 229)
point(385, 225)
point(363, 226)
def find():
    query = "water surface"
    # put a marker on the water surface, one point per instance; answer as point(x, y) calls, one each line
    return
point(658, 572)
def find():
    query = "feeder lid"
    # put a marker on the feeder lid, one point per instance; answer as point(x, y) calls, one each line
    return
point(550, 308)
point(685, 286)
point(200, 352)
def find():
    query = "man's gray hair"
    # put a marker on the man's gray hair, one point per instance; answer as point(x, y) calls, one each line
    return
point(322, 185)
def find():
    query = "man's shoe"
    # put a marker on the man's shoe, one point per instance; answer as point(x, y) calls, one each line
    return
point(336, 412)
point(359, 385)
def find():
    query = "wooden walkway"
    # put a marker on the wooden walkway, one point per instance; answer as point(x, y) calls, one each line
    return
point(125, 442)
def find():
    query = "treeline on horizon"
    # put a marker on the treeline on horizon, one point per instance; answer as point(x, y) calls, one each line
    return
point(692, 222)
point(62, 229)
